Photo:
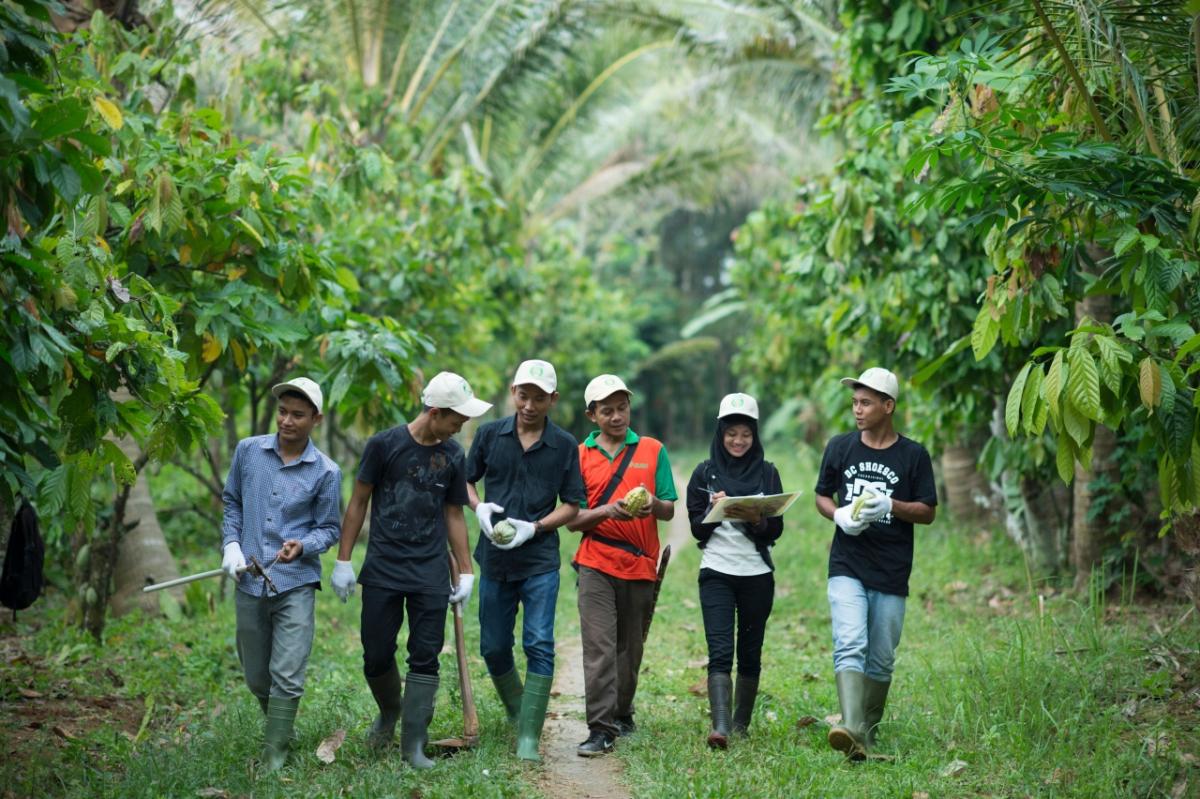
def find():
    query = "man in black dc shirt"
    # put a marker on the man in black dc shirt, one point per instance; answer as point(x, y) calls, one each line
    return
point(871, 557)
point(413, 477)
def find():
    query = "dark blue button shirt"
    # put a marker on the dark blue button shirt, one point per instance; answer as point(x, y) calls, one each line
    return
point(528, 484)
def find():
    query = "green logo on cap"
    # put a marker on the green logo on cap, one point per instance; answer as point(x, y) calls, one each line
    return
point(611, 381)
point(536, 371)
point(737, 402)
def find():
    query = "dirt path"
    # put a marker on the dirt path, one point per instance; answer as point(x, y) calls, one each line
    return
point(566, 774)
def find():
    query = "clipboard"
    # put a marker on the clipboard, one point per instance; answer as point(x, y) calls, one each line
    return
point(770, 505)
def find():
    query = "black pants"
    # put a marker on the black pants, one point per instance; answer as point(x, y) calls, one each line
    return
point(724, 596)
point(382, 617)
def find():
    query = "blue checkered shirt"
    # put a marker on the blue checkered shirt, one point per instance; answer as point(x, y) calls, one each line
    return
point(267, 503)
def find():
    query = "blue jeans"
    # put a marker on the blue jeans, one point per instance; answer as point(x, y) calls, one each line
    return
point(866, 628)
point(498, 614)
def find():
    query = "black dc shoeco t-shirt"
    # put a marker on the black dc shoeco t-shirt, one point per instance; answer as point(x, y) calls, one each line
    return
point(413, 483)
point(880, 557)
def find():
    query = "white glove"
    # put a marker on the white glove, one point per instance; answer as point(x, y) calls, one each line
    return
point(342, 579)
point(524, 532)
point(483, 512)
point(875, 508)
point(463, 592)
point(841, 517)
point(234, 561)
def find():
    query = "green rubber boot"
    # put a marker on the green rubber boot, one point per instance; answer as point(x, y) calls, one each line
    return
point(262, 702)
point(387, 690)
point(509, 688)
point(850, 736)
point(533, 715)
point(416, 711)
point(875, 702)
point(281, 718)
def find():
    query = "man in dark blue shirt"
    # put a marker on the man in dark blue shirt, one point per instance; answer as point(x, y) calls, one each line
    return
point(529, 465)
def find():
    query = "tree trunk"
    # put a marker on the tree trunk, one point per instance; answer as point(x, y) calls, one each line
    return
point(969, 496)
point(1043, 523)
point(1187, 538)
point(1091, 533)
point(143, 556)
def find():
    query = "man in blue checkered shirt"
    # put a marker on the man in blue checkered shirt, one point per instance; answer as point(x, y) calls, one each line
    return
point(282, 506)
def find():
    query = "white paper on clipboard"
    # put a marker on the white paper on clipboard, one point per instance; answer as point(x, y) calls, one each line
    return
point(769, 505)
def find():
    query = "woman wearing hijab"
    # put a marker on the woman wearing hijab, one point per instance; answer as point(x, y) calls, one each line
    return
point(737, 587)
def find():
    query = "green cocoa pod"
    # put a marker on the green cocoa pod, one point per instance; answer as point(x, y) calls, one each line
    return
point(856, 508)
point(81, 558)
point(503, 532)
point(636, 499)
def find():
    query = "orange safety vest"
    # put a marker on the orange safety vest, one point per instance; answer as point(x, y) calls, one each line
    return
point(641, 533)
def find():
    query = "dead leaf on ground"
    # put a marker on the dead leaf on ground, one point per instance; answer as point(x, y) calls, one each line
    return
point(1130, 709)
point(1158, 744)
point(213, 793)
point(836, 718)
point(327, 751)
point(697, 664)
point(920, 795)
point(954, 768)
point(29, 693)
point(690, 604)
point(1181, 789)
point(806, 721)
point(957, 585)
point(63, 733)
point(809, 676)
point(699, 688)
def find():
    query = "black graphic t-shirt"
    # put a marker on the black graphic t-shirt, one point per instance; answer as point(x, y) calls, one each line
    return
point(881, 556)
point(412, 483)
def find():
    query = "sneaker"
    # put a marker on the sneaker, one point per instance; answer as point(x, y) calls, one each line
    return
point(598, 743)
point(625, 726)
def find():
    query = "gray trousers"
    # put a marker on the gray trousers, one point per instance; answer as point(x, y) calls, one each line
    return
point(611, 616)
point(274, 638)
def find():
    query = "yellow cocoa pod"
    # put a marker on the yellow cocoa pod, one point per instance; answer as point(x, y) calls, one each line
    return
point(856, 508)
point(636, 499)
point(503, 532)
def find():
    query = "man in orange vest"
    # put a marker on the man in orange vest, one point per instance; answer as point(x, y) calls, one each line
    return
point(617, 558)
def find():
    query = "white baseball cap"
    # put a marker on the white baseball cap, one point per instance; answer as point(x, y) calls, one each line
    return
point(536, 373)
point(738, 405)
point(448, 390)
point(305, 386)
point(602, 387)
point(876, 378)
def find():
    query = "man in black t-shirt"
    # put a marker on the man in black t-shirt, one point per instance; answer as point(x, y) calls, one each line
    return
point(890, 478)
point(530, 472)
point(413, 477)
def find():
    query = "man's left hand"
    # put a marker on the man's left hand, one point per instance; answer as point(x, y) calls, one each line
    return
point(290, 551)
point(875, 508)
point(525, 531)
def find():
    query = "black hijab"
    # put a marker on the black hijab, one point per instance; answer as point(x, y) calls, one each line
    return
point(737, 477)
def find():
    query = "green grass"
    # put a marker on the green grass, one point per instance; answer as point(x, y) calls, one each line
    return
point(1071, 697)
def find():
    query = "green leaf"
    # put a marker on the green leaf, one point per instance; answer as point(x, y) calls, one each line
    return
point(1064, 460)
point(1128, 238)
point(1083, 385)
point(984, 333)
point(1178, 426)
point(122, 466)
point(1012, 408)
point(1054, 382)
point(1078, 427)
point(1032, 400)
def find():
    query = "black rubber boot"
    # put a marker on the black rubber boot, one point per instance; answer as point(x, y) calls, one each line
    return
point(262, 702)
point(720, 686)
point(281, 718)
point(744, 694)
point(387, 690)
point(849, 737)
point(416, 711)
point(875, 702)
point(533, 715)
point(510, 690)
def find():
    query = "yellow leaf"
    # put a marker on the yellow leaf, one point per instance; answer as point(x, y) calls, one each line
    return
point(103, 244)
point(185, 254)
point(108, 109)
point(249, 229)
point(239, 355)
point(1149, 382)
point(211, 350)
point(235, 274)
